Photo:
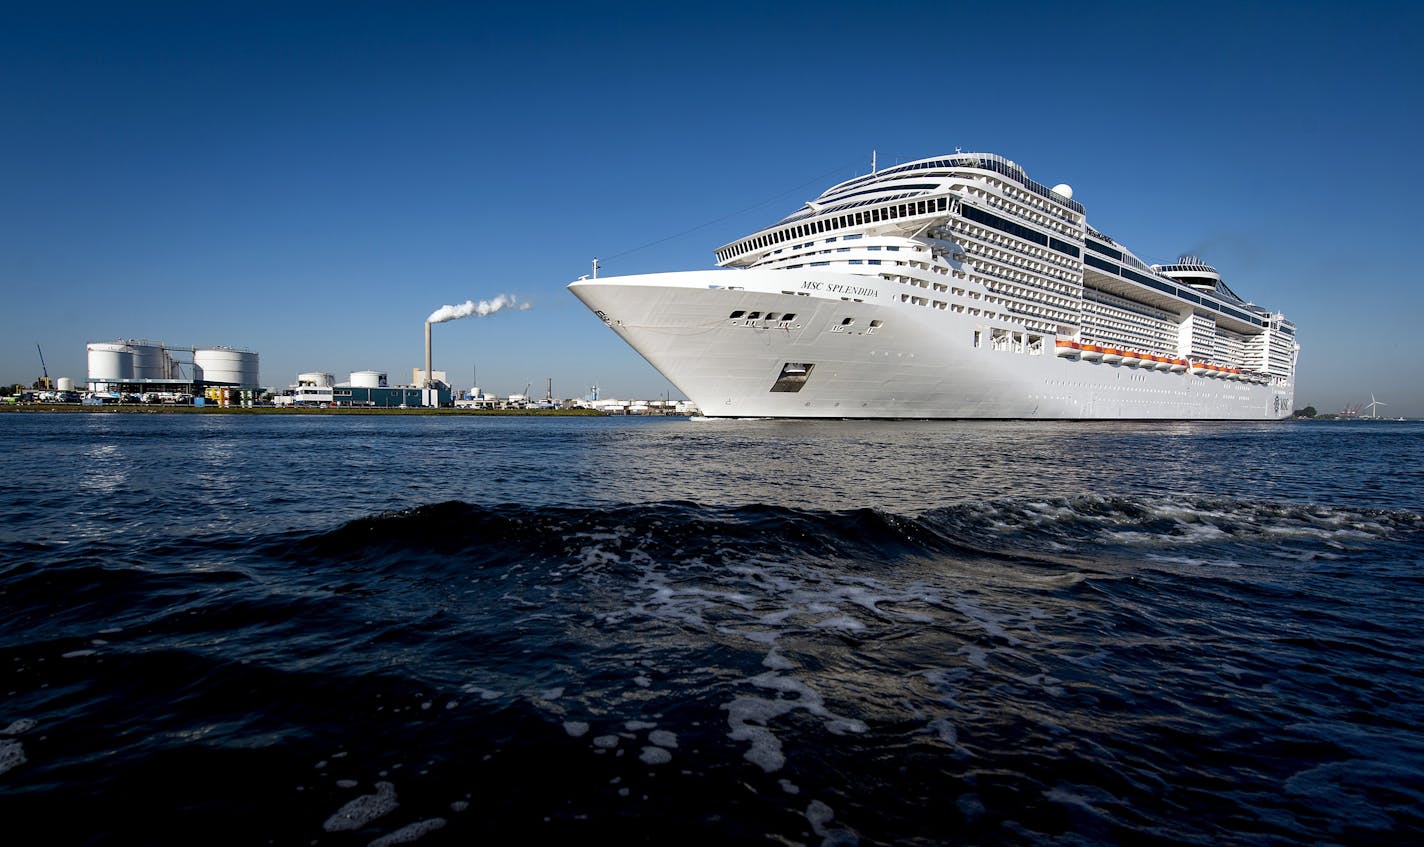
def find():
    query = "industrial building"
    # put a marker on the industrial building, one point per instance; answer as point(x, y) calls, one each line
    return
point(370, 389)
point(158, 372)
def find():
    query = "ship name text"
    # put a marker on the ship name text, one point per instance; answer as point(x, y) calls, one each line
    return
point(839, 288)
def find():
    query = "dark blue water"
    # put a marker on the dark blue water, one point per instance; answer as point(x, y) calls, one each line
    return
point(372, 630)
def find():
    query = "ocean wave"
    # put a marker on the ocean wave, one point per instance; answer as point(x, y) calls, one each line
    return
point(1022, 530)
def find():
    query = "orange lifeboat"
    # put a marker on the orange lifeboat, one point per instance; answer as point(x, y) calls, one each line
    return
point(1068, 349)
point(1179, 365)
point(1091, 352)
point(1112, 355)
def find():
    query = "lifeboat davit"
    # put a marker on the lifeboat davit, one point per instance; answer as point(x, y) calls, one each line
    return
point(1068, 349)
point(1179, 365)
point(1112, 355)
point(1091, 352)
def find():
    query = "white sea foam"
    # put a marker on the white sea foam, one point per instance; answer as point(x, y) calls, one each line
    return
point(747, 717)
point(606, 742)
point(12, 755)
point(364, 809)
point(655, 756)
point(409, 832)
point(663, 738)
point(484, 693)
point(841, 622)
point(576, 729)
point(17, 727)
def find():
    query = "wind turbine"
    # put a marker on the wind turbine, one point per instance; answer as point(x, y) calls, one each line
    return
point(1374, 414)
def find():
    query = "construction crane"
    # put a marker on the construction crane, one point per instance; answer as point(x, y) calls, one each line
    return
point(43, 382)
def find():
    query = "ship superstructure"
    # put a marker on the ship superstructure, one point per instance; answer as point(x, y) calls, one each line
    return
point(951, 287)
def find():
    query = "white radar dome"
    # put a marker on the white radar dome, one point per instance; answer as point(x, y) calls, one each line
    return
point(1064, 189)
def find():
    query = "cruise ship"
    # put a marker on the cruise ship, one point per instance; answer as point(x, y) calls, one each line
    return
point(951, 287)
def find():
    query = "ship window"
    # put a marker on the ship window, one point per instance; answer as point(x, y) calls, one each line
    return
point(876, 323)
point(789, 316)
point(771, 316)
point(737, 314)
point(847, 321)
point(751, 316)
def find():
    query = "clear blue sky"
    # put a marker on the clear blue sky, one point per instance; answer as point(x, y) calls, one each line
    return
point(311, 180)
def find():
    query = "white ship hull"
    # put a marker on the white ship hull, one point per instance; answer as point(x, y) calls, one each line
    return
point(952, 287)
point(916, 363)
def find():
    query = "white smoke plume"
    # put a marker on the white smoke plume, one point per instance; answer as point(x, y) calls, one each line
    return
point(470, 307)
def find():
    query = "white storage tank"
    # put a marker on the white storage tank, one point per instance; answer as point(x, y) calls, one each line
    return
point(110, 362)
point(368, 379)
point(151, 361)
point(227, 365)
point(315, 379)
point(65, 384)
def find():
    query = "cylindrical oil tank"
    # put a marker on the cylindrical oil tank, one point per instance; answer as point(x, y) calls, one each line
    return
point(226, 365)
point(110, 362)
point(318, 380)
point(65, 383)
point(368, 379)
point(151, 361)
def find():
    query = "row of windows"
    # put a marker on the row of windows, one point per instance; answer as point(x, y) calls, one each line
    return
point(904, 210)
point(990, 219)
point(1023, 272)
point(810, 212)
point(1019, 204)
point(1054, 265)
point(770, 316)
point(1098, 248)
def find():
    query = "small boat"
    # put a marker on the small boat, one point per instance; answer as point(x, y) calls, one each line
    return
point(1092, 352)
point(1112, 355)
point(1067, 349)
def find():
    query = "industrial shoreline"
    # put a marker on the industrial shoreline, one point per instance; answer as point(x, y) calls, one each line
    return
point(299, 410)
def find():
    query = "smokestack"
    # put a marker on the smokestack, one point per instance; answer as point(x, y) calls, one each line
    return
point(428, 380)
